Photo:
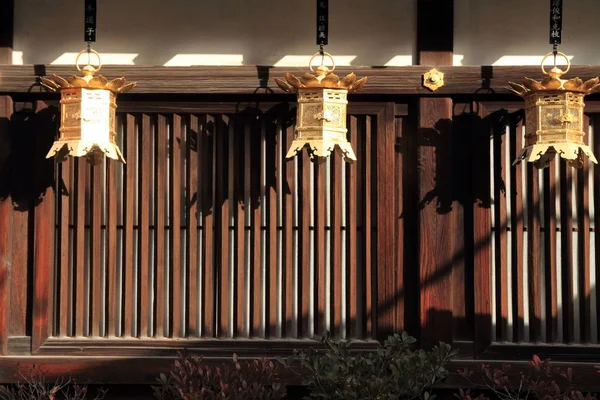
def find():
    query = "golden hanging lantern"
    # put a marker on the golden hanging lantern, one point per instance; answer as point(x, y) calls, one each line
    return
point(554, 116)
point(87, 108)
point(321, 116)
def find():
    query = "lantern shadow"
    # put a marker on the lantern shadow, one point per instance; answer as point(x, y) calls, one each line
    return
point(243, 147)
point(462, 157)
point(25, 173)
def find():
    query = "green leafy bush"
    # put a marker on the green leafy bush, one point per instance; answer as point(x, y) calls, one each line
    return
point(33, 386)
point(393, 371)
point(191, 379)
point(541, 381)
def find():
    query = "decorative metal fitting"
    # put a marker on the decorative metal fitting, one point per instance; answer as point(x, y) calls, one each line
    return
point(88, 106)
point(433, 79)
point(554, 117)
point(321, 116)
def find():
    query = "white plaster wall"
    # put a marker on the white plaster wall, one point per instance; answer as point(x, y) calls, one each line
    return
point(515, 32)
point(263, 32)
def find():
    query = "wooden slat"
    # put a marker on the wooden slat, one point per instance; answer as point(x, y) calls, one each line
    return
point(193, 207)
point(256, 168)
point(129, 301)
point(160, 226)
point(240, 175)
point(144, 228)
point(436, 260)
point(112, 301)
point(304, 239)
point(320, 214)
point(566, 230)
point(501, 171)
point(482, 229)
point(97, 296)
point(336, 240)
point(351, 183)
point(517, 217)
point(399, 224)
point(386, 274)
point(222, 202)
point(367, 227)
point(5, 262)
point(79, 234)
point(178, 153)
point(65, 296)
point(551, 286)
point(533, 259)
point(273, 143)
point(43, 234)
point(208, 223)
point(583, 224)
point(289, 189)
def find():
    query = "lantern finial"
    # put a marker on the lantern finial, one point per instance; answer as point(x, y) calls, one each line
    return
point(554, 116)
point(88, 105)
point(321, 116)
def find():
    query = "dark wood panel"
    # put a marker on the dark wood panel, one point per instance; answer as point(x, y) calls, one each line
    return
point(386, 296)
point(6, 223)
point(435, 228)
point(43, 237)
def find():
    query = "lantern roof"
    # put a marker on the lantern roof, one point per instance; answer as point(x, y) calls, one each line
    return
point(554, 82)
point(322, 78)
point(88, 80)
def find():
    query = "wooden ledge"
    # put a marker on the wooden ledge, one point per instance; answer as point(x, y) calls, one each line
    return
point(259, 80)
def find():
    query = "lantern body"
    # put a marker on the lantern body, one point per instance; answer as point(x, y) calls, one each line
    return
point(554, 124)
point(554, 117)
point(87, 125)
point(321, 123)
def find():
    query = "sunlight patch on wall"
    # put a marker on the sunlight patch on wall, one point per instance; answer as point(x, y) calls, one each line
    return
point(527, 60)
point(17, 57)
point(399, 61)
point(107, 58)
point(457, 59)
point(187, 60)
point(302, 60)
point(404, 60)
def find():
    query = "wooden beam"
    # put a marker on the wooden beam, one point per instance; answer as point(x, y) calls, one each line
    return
point(438, 227)
point(237, 80)
point(7, 8)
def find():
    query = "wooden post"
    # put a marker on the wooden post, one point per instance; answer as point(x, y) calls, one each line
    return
point(438, 230)
point(6, 31)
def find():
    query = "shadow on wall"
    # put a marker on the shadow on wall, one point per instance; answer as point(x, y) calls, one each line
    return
point(260, 30)
point(25, 173)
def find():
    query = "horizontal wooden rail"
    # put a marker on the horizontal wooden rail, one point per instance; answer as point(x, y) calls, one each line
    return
point(258, 80)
